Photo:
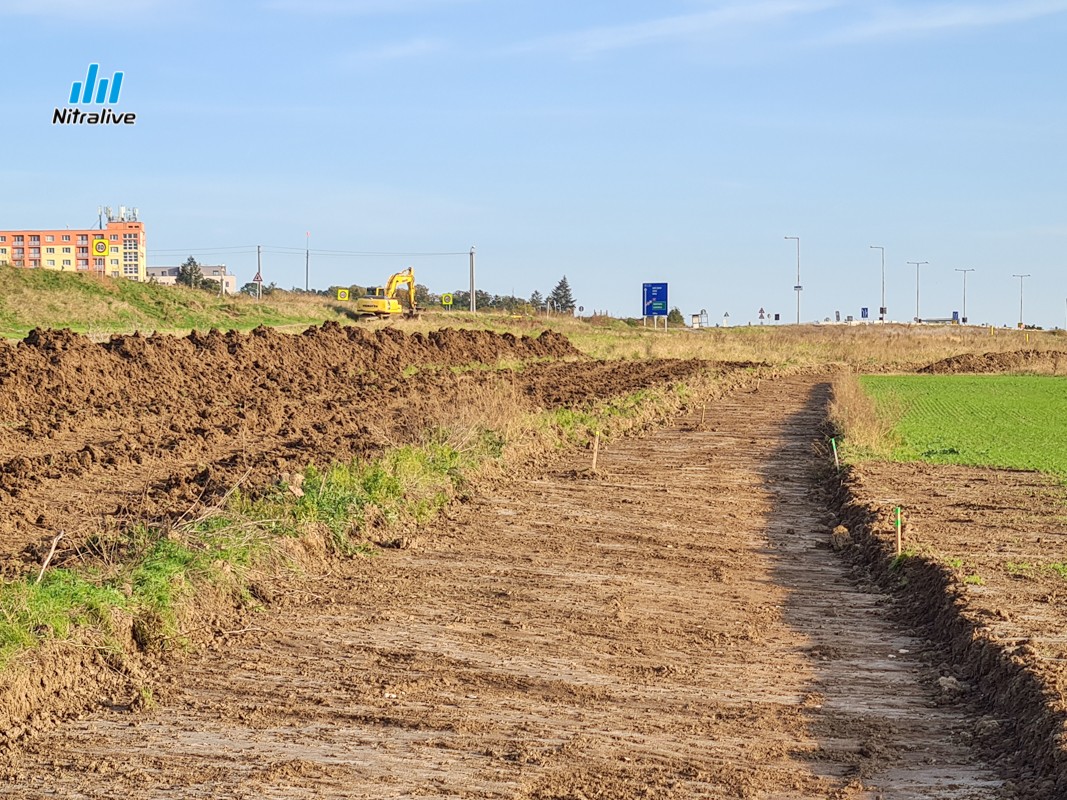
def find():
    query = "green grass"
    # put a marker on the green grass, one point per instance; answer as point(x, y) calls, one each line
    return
point(149, 576)
point(408, 483)
point(1016, 422)
point(39, 298)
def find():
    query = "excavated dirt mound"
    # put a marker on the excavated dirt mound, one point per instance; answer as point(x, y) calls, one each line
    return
point(96, 436)
point(1043, 361)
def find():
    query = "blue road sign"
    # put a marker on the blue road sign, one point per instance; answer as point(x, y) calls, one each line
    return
point(955, 316)
point(864, 313)
point(654, 299)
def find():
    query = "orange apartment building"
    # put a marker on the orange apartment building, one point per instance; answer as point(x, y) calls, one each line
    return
point(116, 250)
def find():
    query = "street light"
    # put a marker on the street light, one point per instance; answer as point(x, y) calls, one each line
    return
point(963, 320)
point(917, 263)
point(798, 288)
point(1020, 277)
point(881, 308)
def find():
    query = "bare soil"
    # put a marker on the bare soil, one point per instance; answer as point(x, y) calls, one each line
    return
point(94, 437)
point(673, 626)
point(1048, 362)
point(986, 575)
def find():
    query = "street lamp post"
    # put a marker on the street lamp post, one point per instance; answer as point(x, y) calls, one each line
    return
point(917, 264)
point(881, 308)
point(1020, 277)
point(798, 288)
point(963, 320)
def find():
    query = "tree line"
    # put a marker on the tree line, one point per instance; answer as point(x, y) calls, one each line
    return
point(559, 300)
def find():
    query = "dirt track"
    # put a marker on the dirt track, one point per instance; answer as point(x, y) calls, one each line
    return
point(676, 627)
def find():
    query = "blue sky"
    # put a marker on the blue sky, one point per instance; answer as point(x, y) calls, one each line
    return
point(614, 142)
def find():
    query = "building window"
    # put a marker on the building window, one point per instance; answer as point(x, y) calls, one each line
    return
point(66, 262)
point(35, 262)
point(50, 262)
point(115, 250)
point(49, 238)
point(129, 256)
point(3, 251)
point(129, 241)
point(83, 263)
point(35, 237)
point(35, 251)
point(98, 262)
point(83, 251)
point(18, 252)
point(49, 249)
point(114, 237)
point(3, 238)
point(66, 237)
point(66, 249)
point(130, 269)
point(19, 238)
point(83, 238)
point(114, 262)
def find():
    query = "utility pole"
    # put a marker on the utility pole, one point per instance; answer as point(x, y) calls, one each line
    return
point(1020, 277)
point(798, 288)
point(259, 272)
point(307, 259)
point(963, 320)
point(881, 308)
point(917, 264)
point(474, 302)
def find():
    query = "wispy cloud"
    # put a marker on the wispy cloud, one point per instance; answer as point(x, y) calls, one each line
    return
point(683, 27)
point(77, 9)
point(896, 22)
point(395, 51)
point(358, 7)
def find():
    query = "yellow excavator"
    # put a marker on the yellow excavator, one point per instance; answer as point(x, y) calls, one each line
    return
point(381, 301)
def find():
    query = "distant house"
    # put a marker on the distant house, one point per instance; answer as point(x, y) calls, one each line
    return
point(168, 276)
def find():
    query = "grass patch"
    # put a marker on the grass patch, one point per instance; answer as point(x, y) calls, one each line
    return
point(1014, 422)
point(410, 483)
point(40, 298)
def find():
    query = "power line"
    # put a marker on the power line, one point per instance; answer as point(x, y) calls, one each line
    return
point(369, 254)
point(301, 251)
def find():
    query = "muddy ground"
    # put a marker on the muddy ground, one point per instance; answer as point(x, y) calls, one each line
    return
point(677, 625)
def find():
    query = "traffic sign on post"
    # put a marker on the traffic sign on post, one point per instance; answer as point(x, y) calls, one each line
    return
point(654, 300)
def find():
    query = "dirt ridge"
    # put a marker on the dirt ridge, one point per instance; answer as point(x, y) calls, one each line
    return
point(1043, 361)
point(1008, 689)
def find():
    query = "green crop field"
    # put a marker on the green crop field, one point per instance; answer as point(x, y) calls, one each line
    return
point(1009, 421)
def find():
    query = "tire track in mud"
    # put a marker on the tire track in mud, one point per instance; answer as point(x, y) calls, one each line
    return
point(673, 627)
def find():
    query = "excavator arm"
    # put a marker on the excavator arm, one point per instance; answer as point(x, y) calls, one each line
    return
point(406, 276)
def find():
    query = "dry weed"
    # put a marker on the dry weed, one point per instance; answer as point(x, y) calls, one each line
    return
point(866, 426)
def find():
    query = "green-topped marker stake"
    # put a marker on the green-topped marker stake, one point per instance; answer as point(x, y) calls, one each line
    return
point(837, 462)
point(899, 536)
